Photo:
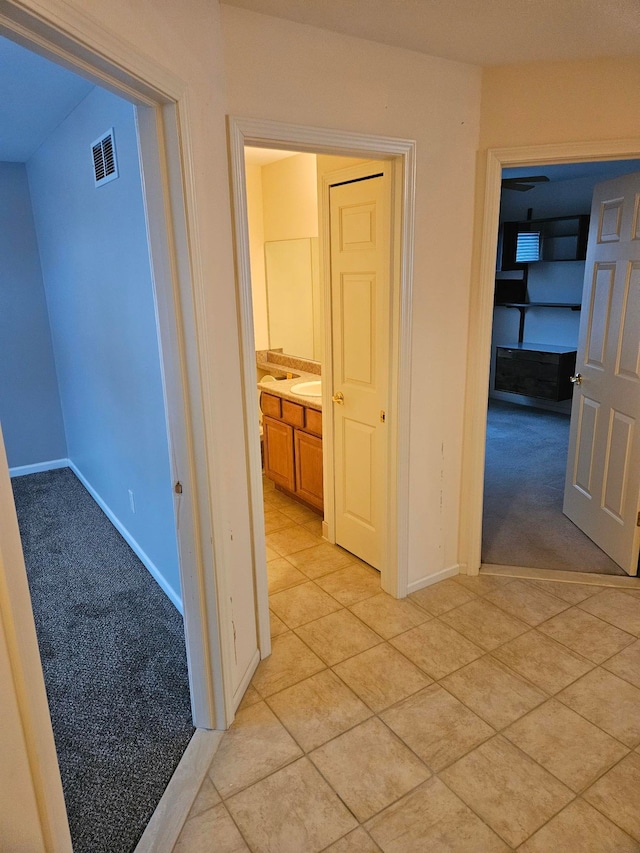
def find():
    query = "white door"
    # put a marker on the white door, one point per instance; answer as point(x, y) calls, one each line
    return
point(602, 487)
point(361, 318)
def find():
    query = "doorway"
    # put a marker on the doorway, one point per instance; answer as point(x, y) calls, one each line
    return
point(544, 222)
point(82, 406)
point(245, 132)
point(530, 162)
point(156, 100)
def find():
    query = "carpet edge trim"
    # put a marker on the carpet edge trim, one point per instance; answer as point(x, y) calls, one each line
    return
point(149, 565)
point(162, 831)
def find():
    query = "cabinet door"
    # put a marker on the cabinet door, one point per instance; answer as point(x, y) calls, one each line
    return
point(278, 453)
point(309, 468)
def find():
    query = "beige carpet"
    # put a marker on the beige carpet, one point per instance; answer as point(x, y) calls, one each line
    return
point(523, 523)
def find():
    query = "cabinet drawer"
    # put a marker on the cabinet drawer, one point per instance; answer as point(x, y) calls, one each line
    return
point(314, 421)
point(292, 413)
point(535, 373)
point(271, 405)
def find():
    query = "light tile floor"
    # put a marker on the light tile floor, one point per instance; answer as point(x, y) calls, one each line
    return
point(480, 714)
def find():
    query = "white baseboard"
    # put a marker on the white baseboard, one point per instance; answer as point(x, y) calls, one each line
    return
point(153, 570)
point(51, 465)
point(167, 821)
point(414, 586)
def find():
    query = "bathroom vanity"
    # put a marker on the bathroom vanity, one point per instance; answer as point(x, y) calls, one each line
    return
point(293, 445)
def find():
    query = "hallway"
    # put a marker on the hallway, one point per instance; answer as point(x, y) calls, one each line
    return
point(479, 714)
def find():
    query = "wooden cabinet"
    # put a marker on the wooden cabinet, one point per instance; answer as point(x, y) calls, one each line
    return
point(555, 238)
point(293, 448)
point(308, 459)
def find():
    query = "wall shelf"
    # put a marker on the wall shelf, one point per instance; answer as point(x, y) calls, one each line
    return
point(524, 306)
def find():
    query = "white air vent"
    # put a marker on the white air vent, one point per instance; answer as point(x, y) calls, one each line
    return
point(105, 166)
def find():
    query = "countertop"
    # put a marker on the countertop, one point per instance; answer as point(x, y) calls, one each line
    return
point(282, 387)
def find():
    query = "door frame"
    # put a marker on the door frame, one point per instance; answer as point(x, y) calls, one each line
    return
point(270, 134)
point(481, 315)
point(67, 36)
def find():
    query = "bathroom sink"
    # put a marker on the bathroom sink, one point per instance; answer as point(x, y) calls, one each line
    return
point(307, 389)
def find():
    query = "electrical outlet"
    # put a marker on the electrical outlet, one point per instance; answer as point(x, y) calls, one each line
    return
point(132, 502)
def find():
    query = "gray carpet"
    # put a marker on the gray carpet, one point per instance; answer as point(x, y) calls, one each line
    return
point(523, 523)
point(113, 654)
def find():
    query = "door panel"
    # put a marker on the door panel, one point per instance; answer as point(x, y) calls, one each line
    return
point(360, 296)
point(602, 489)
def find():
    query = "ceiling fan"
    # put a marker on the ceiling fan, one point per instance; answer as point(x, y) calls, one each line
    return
point(523, 185)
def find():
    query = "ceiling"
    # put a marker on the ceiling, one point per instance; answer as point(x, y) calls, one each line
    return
point(482, 32)
point(264, 156)
point(35, 97)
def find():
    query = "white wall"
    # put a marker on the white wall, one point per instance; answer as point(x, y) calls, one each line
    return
point(299, 74)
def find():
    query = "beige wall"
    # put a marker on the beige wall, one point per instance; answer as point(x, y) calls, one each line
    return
point(290, 198)
point(542, 102)
point(293, 73)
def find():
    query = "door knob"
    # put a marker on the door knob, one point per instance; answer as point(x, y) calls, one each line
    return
point(338, 398)
point(577, 379)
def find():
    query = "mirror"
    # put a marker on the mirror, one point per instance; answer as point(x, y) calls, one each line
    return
point(294, 303)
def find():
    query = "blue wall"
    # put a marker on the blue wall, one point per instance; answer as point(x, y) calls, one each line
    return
point(29, 403)
point(95, 264)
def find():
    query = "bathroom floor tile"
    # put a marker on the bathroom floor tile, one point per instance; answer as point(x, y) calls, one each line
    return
point(484, 624)
point(580, 827)
point(321, 559)
point(369, 768)
point(251, 697)
point(338, 636)
point(436, 726)
point(357, 841)
point(545, 663)
point(382, 676)
point(617, 795)
point(291, 810)
point(276, 520)
point(282, 575)
point(314, 526)
point(433, 818)
point(440, 597)
point(256, 744)
point(507, 789)
point(607, 701)
point(616, 608)
point(290, 661)
point(483, 584)
point(290, 540)
point(351, 584)
point(318, 709)
point(573, 593)
point(299, 513)
point(388, 616)
point(277, 625)
point(526, 602)
point(626, 664)
point(574, 750)
point(494, 692)
point(301, 604)
point(436, 648)
point(213, 827)
point(583, 633)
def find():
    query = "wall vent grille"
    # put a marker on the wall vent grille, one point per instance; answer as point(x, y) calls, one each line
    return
point(105, 165)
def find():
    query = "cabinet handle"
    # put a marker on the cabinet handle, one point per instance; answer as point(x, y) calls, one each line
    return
point(338, 398)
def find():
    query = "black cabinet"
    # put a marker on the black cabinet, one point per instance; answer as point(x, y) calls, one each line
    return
point(535, 370)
